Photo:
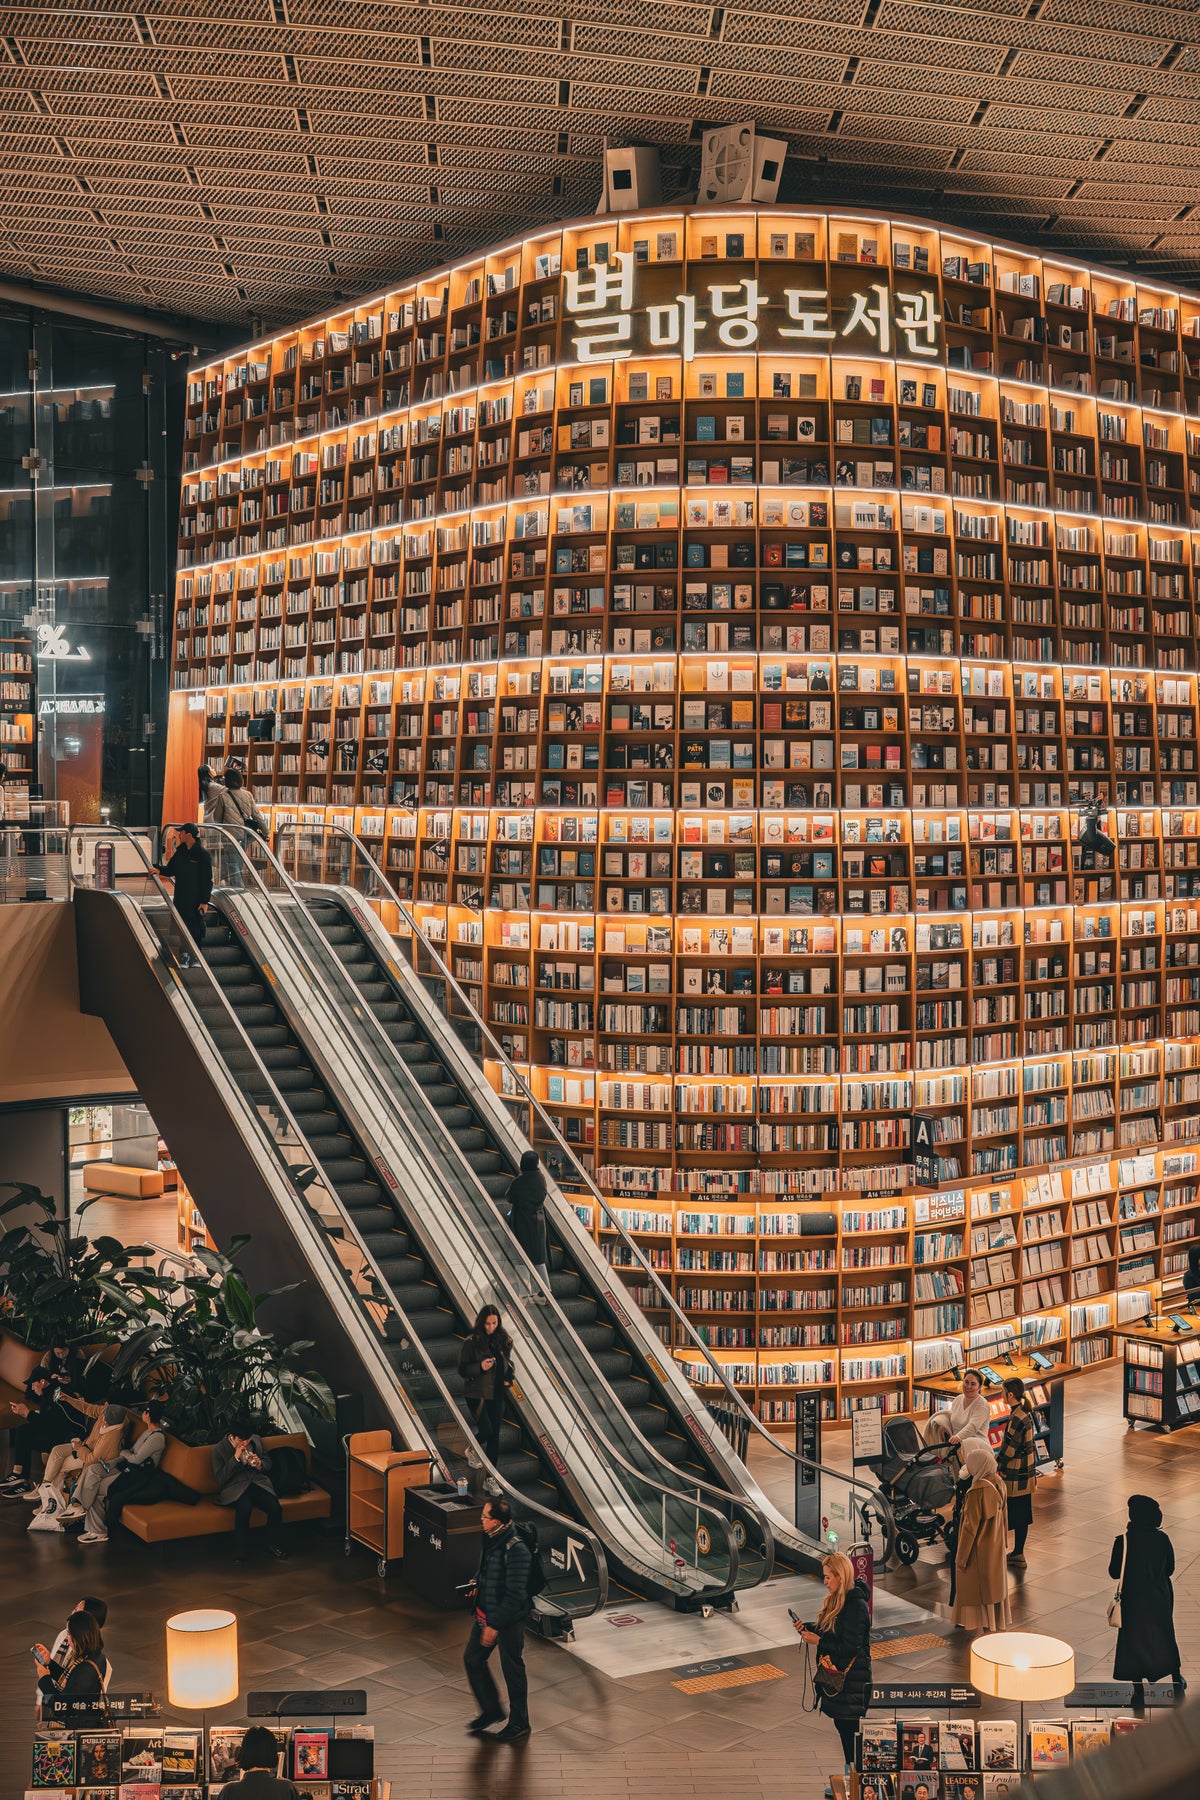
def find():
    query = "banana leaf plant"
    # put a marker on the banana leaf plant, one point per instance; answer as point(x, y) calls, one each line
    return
point(56, 1285)
point(194, 1340)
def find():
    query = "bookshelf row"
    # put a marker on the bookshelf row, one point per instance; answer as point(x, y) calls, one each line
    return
point(876, 1303)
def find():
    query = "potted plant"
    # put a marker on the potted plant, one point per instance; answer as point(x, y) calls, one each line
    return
point(59, 1287)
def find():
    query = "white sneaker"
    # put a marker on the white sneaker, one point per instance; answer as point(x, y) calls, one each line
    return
point(93, 1537)
point(73, 1511)
point(492, 1486)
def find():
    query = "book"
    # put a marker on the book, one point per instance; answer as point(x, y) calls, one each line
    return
point(139, 1790)
point(1049, 1744)
point(997, 1743)
point(918, 1737)
point(98, 1758)
point(53, 1764)
point(310, 1755)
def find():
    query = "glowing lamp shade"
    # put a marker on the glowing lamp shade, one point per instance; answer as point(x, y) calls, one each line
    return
point(202, 1658)
point(1020, 1665)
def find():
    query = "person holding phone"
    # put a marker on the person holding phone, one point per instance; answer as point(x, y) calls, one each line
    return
point(841, 1635)
point(241, 1469)
point(486, 1366)
point(83, 1671)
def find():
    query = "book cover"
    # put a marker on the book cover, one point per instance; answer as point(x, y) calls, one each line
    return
point(53, 1763)
point(962, 1787)
point(878, 1786)
point(995, 1786)
point(140, 1790)
point(113, 1793)
point(918, 1737)
point(1049, 1744)
point(310, 1755)
point(98, 1758)
point(997, 1744)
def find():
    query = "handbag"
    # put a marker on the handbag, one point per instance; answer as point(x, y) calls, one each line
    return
point(1114, 1605)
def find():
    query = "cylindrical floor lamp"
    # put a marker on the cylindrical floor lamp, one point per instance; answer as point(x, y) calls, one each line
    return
point(202, 1663)
point(1021, 1666)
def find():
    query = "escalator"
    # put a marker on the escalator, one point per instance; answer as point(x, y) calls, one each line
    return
point(413, 1004)
point(267, 958)
point(379, 1239)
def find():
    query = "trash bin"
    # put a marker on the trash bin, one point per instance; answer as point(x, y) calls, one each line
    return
point(441, 1543)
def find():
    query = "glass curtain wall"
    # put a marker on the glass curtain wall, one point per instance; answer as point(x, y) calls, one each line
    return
point(89, 479)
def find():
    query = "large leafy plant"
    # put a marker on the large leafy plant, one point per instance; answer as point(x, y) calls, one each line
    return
point(57, 1286)
point(195, 1339)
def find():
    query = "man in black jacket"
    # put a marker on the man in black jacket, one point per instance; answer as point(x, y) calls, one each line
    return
point(190, 868)
point(241, 1469)
point(501, 1597)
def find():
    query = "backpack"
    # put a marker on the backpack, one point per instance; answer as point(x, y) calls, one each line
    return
point(289, 1471)
point(535, 1582)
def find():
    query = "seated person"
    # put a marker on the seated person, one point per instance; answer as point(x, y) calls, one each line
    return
point(92, 1484)
point(258, 1760)
point(241, 1468)
point(102, 1444)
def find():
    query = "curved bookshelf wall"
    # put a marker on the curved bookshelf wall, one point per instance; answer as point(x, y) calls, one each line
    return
point(715, 619)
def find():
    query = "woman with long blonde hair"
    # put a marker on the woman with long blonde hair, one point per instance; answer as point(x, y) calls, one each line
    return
point(841, 1633)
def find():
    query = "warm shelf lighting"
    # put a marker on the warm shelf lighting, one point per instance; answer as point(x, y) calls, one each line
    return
point(202, 1659)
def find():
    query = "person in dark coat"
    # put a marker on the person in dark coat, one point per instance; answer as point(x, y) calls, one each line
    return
point(190, 868)
point(1191, 1277)
point(842, 1636)
point(527, 1215)
point(500, 1596)
point(1142, 1564)
point(83, 1671)
point(486, 1366)
point(241, 1470)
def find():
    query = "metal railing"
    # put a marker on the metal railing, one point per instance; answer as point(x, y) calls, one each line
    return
point(868, 1502)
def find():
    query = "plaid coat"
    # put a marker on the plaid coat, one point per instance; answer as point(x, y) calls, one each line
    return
point(1015, 1458)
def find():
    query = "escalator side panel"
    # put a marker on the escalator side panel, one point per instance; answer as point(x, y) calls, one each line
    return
point(117, 984)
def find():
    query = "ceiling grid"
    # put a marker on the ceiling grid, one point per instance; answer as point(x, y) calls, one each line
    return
point(131, 140)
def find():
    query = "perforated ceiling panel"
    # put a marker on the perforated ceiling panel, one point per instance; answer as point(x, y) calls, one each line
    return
point(259, 160)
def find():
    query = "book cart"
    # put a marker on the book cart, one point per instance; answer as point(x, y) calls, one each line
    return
point(377, 1478)
point(1161, 1377)
point(724, 709)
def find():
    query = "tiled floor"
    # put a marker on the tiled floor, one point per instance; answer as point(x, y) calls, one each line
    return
point(322, 1619)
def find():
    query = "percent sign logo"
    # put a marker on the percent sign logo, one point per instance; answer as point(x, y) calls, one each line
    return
point(54, 645)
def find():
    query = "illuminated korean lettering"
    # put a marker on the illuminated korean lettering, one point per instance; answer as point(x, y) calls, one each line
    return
point(917, 321)
point(809, 307)
point(676, 324)
point(739, 322)
point(871, 312)
point(593, 290)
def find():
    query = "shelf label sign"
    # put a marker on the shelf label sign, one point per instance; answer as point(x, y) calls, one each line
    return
point(620, 308)
point(924, 1150)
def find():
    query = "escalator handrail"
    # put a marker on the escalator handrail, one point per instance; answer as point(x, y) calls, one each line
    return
point(875, 1495)
point(572, 1527)
point(662, 1490)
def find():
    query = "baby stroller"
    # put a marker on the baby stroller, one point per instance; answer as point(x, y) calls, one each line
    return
point(918, 1479)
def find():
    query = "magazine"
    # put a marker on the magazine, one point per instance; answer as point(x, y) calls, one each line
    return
point(141, 1754)
point(956, 1744)
point(223, 1746)
point(877, 1787)
point(919, 1744)
point(997, 1744)
point(1049, 1744)
point(995, 1786)
point(98, 1758)
point(962, 1787)
point(877, 1745)
point(180, 1757)
point(53, 1761)
point(310, 1755)
point(1088, 1735)
point(98, 1793)
point(912, 1784)
point(1121, 1726)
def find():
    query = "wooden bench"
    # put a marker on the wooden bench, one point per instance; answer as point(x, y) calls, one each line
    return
point(192, 1465)
point(122, 1181)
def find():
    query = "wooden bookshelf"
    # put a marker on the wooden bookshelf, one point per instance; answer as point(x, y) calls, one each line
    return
point(1161, 1381)
point(724, 707)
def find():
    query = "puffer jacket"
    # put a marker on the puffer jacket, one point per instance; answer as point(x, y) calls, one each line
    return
point(847, 1644)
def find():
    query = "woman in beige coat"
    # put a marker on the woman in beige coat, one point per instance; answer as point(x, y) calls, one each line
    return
point(980, 1578)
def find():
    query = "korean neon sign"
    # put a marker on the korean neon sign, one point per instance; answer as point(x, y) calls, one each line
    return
point(620, 308)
